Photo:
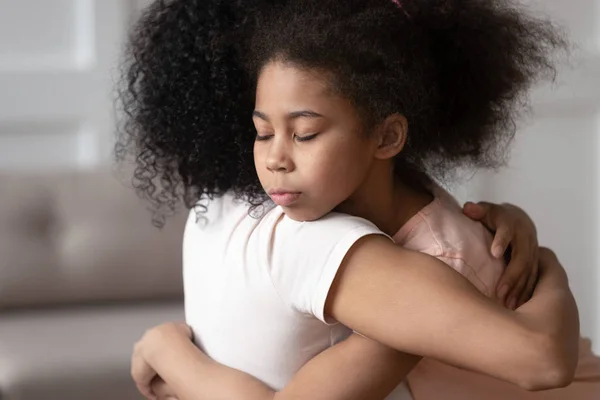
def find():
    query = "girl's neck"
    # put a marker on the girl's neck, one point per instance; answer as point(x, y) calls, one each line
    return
point(387, 202)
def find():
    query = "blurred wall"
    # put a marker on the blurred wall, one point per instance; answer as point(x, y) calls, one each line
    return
point(58, 59)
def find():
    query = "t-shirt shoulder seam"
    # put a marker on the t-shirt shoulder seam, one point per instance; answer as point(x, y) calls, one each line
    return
point(363, 232)
point(358, 232)
point(415, 224)
point(278, 293)
point(432, 232)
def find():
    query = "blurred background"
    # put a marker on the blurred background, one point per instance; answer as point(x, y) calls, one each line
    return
point(83, 272)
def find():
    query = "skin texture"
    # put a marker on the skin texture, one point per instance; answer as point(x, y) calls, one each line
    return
point(288, 101)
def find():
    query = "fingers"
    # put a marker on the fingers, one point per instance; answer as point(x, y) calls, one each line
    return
point(137, 376)
point(491, 216)
point(527, 290)
point(502, 239)
point(513, 230)
point(478, 211)
point(529, 286)
point(518, 281)
point(161, 390)
point(142, 374)
point(512, 299)
point(513, 280)
point(146, 391)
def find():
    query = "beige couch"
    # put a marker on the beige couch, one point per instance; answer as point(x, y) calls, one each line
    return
point(82, 274)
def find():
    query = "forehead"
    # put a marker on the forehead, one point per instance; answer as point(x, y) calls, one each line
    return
point(284, 89)
point(281, 80)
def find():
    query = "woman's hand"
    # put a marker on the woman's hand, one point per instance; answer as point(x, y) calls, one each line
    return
point(515, 232)
point(152, 342)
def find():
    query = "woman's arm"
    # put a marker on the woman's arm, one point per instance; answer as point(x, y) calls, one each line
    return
point(444, 317)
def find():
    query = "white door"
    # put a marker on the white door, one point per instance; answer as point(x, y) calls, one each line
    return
point(57, 60)
point(554, 172)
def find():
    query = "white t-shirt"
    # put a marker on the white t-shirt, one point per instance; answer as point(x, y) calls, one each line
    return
point(255, 289)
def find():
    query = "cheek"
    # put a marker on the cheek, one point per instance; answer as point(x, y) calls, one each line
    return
point(259, 161)
point(340, 169)
point(256, 153)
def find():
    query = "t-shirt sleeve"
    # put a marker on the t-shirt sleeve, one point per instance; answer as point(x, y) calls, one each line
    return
point(306, 256)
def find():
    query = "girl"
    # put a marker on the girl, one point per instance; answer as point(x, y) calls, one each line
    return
point(382, 167)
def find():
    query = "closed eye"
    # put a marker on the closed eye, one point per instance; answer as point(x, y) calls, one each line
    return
point(262, 138)
point(305, 138)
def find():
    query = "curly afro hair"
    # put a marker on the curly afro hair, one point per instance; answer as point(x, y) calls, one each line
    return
point(187, 104)
point(459, 70)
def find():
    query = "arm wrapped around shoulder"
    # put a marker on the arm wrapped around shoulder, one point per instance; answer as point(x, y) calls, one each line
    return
point(414, 303)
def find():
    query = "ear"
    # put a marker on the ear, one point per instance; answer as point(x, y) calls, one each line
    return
point(393, 133)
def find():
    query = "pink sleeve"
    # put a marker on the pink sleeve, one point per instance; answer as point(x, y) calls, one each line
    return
point(482, 282)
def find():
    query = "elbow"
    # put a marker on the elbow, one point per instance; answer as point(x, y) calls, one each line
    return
point(560, 377)
point(553, 377)
point(554, 366)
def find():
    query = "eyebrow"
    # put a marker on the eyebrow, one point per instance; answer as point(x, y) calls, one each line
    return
point(292, 115)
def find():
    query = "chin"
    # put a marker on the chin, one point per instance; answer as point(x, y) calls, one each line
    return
point(303, 215)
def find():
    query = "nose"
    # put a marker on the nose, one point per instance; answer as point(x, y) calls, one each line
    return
point(279, 158)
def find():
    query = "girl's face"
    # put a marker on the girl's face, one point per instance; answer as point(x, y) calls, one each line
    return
point(311, 152)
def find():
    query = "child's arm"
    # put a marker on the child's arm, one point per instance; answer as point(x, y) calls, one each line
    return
point(357, 368)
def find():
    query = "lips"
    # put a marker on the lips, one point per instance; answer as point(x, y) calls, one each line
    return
point(284, 198)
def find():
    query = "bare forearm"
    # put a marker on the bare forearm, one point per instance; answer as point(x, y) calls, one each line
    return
point(356, 369)
point(553, 289)
point(553, 311)
point(194, 376)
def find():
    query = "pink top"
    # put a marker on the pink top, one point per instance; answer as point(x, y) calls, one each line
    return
point(441, 230)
